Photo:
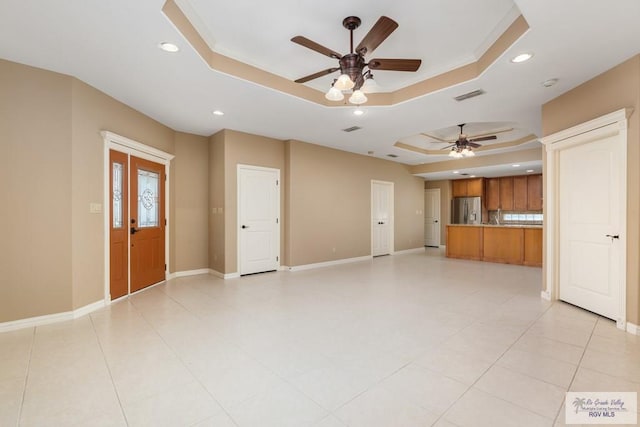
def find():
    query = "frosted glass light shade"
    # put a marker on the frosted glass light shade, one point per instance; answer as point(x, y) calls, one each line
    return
point(470, 153)
point(344, 82)
point(358, 97)
point(334, 95)
point(369, 86)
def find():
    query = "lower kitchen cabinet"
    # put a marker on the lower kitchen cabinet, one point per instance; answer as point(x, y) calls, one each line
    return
point(507, 245)
point(533, 247)
point(464, 242)
point(503, 244)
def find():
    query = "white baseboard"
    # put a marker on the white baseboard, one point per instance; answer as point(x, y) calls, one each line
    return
point(51, 318)
point(188, 273)
point(409, 251)
point(330, 263)
point(633, 329)
point(546, 295)
point(224, 275)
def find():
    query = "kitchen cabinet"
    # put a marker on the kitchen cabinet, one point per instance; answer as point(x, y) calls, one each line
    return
point(464, 241)
point(492, 194)
point(520, 193)
point(534, 192)
point(503, 244)
point(533, 247)
point(467, 187)
point(506, 193)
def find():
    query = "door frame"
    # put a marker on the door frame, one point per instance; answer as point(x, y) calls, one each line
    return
point(278, 213)
point(392, 223)
point(113, 141)
point(613, 124)
point(436, 190)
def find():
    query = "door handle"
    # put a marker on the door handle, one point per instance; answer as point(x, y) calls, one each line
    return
point(435, 220)
point(245, 226)
point(134, 230)
point(614, 236)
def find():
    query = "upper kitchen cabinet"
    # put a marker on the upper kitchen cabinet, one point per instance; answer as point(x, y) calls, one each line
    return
point(534, 192)
point(514, 193)
point(467, 187)
point(520, 193)
point(492, 194)
point(506, 193)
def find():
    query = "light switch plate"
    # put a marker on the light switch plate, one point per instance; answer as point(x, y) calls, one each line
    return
point(95, 208)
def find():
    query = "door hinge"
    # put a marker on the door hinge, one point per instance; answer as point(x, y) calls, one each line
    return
point(277, 221)
point(165, 221)
point(165, 267)
point(277, 258)
point(277, 182)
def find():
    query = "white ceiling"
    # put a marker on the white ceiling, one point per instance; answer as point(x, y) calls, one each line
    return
point(112, 45)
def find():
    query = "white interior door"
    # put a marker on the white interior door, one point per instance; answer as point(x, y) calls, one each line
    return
point(432, 217)
point(591, 220)
point(258, 219)
point(381, 218)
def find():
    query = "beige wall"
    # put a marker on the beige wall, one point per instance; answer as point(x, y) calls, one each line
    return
point(445, 205)
point(93, 111)
point(190, 175)
point(329, 202)
point(35, 192)
point(615, 89)
point(246, 149)
point(216, 203)
point(51, 170)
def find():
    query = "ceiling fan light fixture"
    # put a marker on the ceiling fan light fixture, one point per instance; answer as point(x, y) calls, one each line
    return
point(334, 94)
point(344, 82)
point(369, 85)
point(470, 153)
point(358, 97)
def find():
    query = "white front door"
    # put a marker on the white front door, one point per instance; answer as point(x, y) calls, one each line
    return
point(258, 219)
point(381, 218)
point(432, 217)
point(591, 217)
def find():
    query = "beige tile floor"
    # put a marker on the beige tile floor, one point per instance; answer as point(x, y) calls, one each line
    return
point(406, 340)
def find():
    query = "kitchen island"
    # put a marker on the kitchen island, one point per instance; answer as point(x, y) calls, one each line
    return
point(508, 244)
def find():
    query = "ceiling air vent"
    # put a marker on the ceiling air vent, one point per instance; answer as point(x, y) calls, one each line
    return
point(392, 155)
point(471, 94)
point(352, 128)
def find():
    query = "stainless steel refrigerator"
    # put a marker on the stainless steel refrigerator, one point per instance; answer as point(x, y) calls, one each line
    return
point(466, 210)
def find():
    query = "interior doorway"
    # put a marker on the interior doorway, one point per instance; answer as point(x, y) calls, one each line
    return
point(586, 216)
point(432, 217)
point(381, 218)
point(258, 219)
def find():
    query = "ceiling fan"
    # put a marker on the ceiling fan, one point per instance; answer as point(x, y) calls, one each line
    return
point(464, 144)
point(352, 65)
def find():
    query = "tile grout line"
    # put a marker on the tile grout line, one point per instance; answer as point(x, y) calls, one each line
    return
point(555, 420)
point(176, 354)
point(104, 358)
point(26, 377)
point(533, 322)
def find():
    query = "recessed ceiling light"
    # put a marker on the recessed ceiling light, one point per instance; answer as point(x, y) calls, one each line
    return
point(456, 171)
point(522, 57)
point(218, 113)
point(516, 166)
point(530, 170)
point(168, 47)
point(549, 83)
point(358, 112)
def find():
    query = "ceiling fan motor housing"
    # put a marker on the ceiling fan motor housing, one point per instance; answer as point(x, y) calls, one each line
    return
point(352, 65)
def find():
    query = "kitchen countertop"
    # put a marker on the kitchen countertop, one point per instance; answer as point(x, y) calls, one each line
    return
point(498, 225)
